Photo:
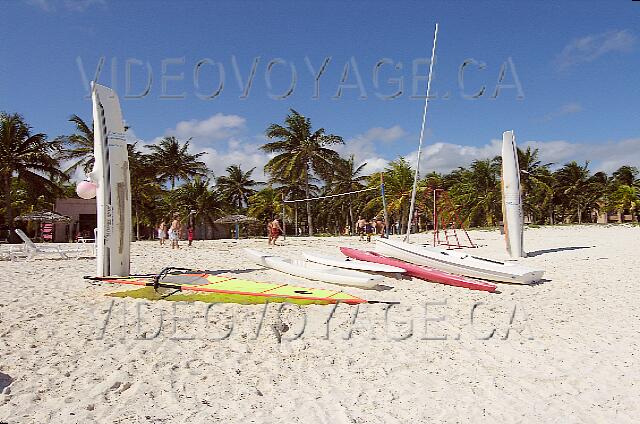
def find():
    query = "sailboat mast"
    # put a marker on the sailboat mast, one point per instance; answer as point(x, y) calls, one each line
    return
point(424, 121)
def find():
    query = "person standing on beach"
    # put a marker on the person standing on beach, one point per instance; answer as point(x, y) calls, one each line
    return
point(191, 225)
point(368, 229)
point(360, 227)
point(269, 226)
point(174, 231)
point(380, 227)
point(162, 232)
point(275, 231)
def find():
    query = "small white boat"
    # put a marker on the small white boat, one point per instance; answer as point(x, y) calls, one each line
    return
point(458, 262)
point(345, 262)
point(314, 271)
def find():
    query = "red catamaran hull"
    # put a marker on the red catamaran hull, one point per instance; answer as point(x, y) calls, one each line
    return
point(424, 273)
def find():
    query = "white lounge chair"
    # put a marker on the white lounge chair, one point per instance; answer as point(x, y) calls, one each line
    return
point(31, 250)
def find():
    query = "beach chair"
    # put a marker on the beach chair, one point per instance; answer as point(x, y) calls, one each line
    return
point(31, 250)
point(47, 231)
point(88, 243)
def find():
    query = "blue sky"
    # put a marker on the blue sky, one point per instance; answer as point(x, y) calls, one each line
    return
point(571, 83)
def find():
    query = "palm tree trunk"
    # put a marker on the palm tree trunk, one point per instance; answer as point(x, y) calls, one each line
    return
point(7, 208)
point(306, 190)
point(579, 214)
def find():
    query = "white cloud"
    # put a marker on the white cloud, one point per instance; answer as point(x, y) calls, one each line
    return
point(373, 165)
point(566, 109)
point(237, 152)
point(591, 47)
point(220, 138)
point(606, 156)
point(444, 157)
point(365, 145)
point(215, 128)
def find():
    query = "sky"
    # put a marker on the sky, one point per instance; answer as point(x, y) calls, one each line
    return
point(562, 75)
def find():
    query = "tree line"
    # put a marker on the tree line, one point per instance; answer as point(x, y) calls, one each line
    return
point(167, 177)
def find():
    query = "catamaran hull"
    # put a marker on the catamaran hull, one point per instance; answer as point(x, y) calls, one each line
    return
point(513, 216)
point(342, 262)
point(417, 271)
point(457, 262)
point(113, 192)
point(313, 271)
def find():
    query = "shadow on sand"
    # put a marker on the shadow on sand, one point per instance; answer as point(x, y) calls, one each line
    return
point(5, 381)
point(557, 249)
point(380, 287)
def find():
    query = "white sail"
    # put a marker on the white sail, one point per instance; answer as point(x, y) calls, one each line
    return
point(113, 193)
point(512, 214)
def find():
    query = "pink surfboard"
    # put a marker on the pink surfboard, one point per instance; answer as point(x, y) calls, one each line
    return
point(424, 273)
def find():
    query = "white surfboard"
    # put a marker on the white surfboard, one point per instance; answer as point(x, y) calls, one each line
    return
point(113, 192)
point(349, 263)
point(512, 213)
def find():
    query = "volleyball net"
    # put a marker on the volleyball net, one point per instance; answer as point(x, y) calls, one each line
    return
point(330, 196)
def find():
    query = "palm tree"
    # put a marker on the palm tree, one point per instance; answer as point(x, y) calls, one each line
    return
point(347, 177)
point(573, 183)
point(172, 161)
point(535, 183)
point(625, 198)
point(265, 204)
point(145, 189)
point(78, 146)
point(625, 191)
point(398, 185)
point(300, 152)
point(200, 196)
point(26, 155)
point(626, 175)
point(237, 186)
point(477, 190)
point(295, 189)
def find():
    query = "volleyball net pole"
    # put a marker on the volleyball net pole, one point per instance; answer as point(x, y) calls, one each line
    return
point(284, 222)
point(384, 205)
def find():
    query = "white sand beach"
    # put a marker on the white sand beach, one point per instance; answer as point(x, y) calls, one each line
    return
point(71, 355)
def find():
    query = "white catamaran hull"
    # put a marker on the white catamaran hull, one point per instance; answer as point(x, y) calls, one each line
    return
point(511, 199)
point(313, 271)
point(113, 193)
point(348, 263)
point(457, 262)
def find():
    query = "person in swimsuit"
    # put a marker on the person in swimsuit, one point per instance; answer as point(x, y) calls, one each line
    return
point(162, 232)
point(269, 225)
point(276, 230)
point(360, 227)
point(191, 225)
point(174, 231)
point(368, 229)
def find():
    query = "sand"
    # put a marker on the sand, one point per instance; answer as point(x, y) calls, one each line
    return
point(561, 351)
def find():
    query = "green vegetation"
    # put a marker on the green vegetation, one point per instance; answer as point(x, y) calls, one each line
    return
point(168, 177)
